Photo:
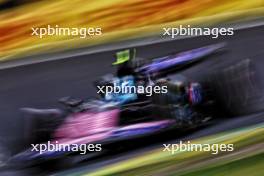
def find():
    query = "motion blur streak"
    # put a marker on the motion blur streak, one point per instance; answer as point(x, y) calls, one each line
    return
point(248, 149)
point(118, 19)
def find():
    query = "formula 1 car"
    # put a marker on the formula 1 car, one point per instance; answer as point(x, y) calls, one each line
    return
point(119, 117)
point(105, 123)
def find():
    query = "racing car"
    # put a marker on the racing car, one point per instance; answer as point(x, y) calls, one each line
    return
point(101, 122)
point(118, 117)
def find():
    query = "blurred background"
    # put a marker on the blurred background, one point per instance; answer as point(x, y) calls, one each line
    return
point(119, 20)
point(36, 72)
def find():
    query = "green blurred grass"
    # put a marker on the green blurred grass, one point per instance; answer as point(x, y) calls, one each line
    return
point(251, 166)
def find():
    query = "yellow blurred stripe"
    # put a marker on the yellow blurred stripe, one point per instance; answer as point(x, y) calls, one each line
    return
point(118, 19)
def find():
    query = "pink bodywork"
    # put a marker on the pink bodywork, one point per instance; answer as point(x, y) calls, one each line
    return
point(87, 127)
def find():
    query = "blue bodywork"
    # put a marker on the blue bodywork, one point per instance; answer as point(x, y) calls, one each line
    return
point(123, 97)
point(180, 59)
